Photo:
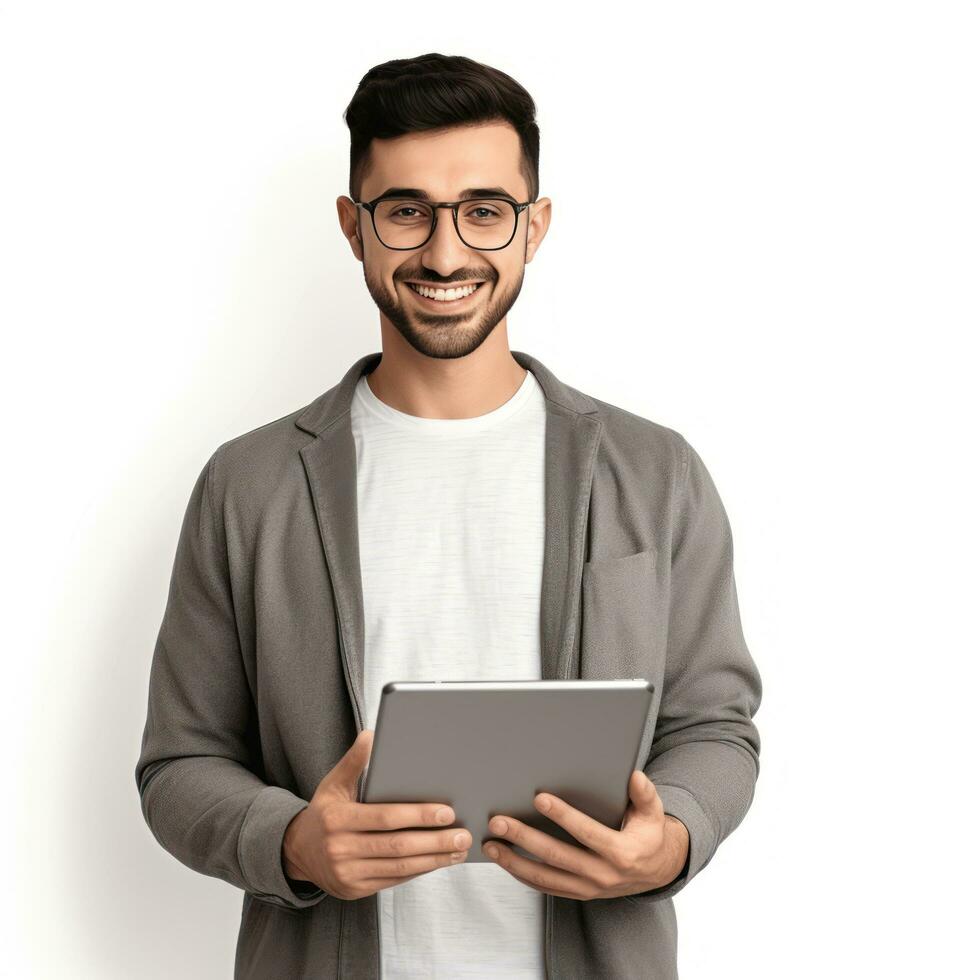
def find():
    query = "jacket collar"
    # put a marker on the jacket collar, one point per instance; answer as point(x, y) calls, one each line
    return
point(321, 413)
point(571, 444)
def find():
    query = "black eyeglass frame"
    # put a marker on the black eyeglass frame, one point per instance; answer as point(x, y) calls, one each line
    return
point(369, 206)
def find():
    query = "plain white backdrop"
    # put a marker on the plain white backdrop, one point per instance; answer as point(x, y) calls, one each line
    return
point(764, 235)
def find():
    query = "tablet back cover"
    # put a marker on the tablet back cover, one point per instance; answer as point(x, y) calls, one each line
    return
point(488, 747)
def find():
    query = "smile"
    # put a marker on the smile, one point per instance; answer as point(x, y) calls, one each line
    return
point(444, 297)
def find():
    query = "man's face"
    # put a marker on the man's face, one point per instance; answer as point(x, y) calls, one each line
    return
point(444, 163)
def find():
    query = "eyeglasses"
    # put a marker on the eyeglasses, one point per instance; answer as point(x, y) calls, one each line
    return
point(487, 223)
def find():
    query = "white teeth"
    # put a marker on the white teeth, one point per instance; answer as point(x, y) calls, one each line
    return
point(444, 295)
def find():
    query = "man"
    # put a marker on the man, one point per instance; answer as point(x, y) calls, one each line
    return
point(450, 510)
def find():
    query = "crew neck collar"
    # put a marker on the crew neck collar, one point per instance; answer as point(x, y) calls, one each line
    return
point(385, 412)
point(328, 408)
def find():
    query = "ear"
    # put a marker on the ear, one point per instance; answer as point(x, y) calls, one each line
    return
point(349, 214)
point(537, 226)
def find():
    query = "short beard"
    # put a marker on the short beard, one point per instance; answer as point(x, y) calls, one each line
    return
point(443, 335)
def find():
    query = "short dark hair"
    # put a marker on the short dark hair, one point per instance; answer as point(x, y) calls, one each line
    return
point(433, 91)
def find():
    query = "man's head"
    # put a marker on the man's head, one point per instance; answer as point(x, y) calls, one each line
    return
point(444, 128)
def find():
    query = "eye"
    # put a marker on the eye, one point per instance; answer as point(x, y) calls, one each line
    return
point(483, 212)
point(403, 211)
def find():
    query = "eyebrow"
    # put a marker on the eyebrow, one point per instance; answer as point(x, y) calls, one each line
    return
point(470, 192)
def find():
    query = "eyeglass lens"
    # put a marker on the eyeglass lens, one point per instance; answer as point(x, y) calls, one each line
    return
point(402, 223)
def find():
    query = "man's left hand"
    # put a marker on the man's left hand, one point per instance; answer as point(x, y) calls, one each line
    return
point(648, 852)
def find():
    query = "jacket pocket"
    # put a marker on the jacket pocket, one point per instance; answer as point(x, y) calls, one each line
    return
point(624, 617)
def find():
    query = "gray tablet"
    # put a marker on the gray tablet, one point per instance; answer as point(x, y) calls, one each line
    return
point(487, 747)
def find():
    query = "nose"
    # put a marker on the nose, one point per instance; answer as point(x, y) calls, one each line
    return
point(445, 251)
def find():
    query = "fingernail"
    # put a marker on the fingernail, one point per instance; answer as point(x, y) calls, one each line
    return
point(492, 851)
point(445, 815)
point(498, 825)
point(459, 841)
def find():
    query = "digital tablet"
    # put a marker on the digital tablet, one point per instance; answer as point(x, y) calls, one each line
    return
point(488, 747)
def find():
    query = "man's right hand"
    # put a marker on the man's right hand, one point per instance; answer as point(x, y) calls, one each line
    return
point(352, 850)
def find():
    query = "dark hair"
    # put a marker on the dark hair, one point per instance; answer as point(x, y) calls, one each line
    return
point(432, 91)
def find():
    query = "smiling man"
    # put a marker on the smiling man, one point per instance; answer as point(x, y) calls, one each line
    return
point(449, 510)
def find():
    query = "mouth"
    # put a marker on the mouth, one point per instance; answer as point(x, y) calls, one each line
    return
point(438, 298)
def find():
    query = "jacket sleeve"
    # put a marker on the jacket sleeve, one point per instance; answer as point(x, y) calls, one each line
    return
point(198, 792)
point(704, 758)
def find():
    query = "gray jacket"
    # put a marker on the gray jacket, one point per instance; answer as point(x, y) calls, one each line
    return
point(256, 686)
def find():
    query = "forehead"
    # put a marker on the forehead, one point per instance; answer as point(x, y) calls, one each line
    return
point(444, 162)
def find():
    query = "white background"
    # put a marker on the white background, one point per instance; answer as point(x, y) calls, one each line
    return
point(796, 293)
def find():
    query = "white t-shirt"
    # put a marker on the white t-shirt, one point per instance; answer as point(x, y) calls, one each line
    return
point(451, 534)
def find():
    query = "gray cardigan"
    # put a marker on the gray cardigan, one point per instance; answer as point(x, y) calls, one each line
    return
point(256, 685)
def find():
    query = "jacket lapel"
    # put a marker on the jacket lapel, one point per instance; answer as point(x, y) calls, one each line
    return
point(571, 442)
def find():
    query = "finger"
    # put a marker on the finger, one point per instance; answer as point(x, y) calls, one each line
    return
point(543, 892)
point(352, 763)
point(372, 885)
point(558, 854)
point(400, 843)
point(588, 831)
point(400, 867)
point(538, 875)
point(644, 794)
point(395, 816)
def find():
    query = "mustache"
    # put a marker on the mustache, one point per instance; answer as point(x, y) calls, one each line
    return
point(459, 277)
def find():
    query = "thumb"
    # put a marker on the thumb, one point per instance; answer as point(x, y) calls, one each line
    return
point(644, 794)
point(344, 775)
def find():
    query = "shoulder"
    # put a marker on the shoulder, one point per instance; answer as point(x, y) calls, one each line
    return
point(253, 464)
point(638, 443)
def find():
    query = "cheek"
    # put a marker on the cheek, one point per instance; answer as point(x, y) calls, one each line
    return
point(504, 278)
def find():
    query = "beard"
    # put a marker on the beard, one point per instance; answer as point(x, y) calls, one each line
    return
point(446, 335)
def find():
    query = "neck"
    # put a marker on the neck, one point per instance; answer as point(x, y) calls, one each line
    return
point(446, 388)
